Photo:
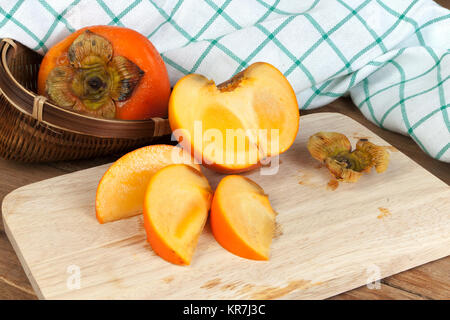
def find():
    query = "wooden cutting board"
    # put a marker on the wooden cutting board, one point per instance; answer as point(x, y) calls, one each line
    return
point(327, 241)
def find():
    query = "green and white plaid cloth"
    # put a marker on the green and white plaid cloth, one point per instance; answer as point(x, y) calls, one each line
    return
point(392, 57)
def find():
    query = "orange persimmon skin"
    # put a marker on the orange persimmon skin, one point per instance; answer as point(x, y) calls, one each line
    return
point(223, 230)
point(158, 244)
point(226, 236)
point(151, 96)
point(159, 234)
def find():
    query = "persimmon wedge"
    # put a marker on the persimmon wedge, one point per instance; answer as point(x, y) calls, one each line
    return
point(233, 126)
point(176, 206)
point(120, 193)
point(242, 219)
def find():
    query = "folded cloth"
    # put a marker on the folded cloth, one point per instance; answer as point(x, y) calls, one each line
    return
point(391, 57)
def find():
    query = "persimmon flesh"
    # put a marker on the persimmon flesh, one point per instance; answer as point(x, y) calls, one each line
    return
point(233, 126)
point(120, 193)
point(242, 219)
point(176, 206)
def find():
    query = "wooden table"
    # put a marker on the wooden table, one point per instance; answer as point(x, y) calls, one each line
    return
point(429, 281)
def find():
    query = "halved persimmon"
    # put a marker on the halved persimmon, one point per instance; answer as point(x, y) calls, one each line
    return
point(232, 127)
point(242, 219)
point(120, 193)
point(176, 206)
point(107, 72)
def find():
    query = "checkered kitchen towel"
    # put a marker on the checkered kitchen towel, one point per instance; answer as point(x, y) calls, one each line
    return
point(391, 56)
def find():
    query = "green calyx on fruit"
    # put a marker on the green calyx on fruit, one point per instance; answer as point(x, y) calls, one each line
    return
point(94, 79)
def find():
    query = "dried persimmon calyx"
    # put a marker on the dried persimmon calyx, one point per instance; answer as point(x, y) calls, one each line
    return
point(60, 88)
point(89, 49)
point(125, 76)
point(379, 155)
point(328, 144)
point(335, 151)
point(94, 80)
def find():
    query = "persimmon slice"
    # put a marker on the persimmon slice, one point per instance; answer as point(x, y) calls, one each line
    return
point(233, 126)
point(120, 193)
point(176, 206)
point(242, 219)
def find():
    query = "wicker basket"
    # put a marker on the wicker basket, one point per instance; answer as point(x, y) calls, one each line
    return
point(35, 130)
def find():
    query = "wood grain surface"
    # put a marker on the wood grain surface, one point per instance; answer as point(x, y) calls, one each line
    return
point(328, 241)
point(433, 281)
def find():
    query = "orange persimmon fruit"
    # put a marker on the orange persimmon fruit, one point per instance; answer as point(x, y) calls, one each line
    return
point(108, 72)
point(176, 206)
point(120, 193)
point(242, 219)
point(233, 126)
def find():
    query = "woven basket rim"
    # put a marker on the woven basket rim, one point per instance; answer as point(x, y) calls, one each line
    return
point(159, 125)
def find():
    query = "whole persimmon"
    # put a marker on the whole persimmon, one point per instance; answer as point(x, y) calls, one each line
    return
point(107, 72)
